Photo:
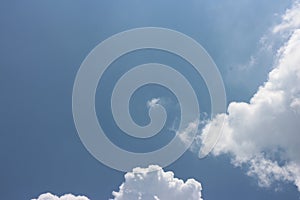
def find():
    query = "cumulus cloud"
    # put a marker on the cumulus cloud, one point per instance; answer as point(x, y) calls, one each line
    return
point(153, 183)
point(188, 133)
point(49, 196)
point(263, 135)
point(150, 183)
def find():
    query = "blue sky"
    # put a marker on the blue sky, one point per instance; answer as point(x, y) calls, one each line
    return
point(43, 44)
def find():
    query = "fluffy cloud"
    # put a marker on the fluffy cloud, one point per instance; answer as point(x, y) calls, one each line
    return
point(150, 183)
point(48, 196)
point(153, 183)
point(263, 134)
point(290, 20)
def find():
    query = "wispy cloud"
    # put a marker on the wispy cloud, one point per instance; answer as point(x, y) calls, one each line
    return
point(153, 102)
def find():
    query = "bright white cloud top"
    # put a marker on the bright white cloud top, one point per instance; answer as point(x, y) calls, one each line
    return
point(264, 133)
point(49, 196)
point(153, 183)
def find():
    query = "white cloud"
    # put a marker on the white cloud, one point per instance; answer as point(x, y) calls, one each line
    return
point(150, 183)
point(49, 196)
point(188, 133)
point(290, 20)
point(153, 183)
point(154, 102)
point(264, 134)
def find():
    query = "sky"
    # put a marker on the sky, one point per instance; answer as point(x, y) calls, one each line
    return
point(254, 44)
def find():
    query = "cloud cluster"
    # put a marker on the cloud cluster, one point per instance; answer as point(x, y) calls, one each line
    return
point(153, 183)
point(264, 133)
point(49, 196)
point(150, 183)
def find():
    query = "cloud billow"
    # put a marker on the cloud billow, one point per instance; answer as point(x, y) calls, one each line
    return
point(264, 133)
point(49, 196)
point(153, 183)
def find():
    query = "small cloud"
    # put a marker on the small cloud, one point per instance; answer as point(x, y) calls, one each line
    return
point(49, 196)
point(153, 102)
